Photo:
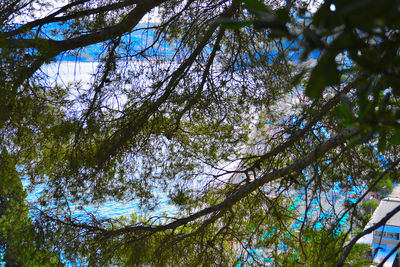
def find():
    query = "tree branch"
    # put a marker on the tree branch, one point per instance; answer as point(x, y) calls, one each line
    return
point(367, 231)
point(246, 189)
point(297, 135)
point(52, 17)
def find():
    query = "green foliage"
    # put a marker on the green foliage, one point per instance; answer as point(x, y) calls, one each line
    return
point(384, 186)
point(225, 125)
point(369, 206)
point(321, 248)
point(355, 39)
point(324, 74)
point(19, 238)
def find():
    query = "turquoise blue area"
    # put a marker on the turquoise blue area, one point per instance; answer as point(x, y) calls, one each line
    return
point(320, 219)
point(254, 255)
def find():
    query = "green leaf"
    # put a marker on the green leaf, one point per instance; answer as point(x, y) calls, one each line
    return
point(267, 21)
point(382, 144)
point(395, 139)
point(343, 41)
point(344, 112)
point(324, 74)
point(234, 24)
point(346, 101)
point(282, 14)
point(255, 5)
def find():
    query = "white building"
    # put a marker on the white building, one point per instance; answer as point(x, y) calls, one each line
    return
point(384, 239)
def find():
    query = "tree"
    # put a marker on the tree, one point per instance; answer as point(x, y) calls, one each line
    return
point(20, 243)
point(384, 187)
point(369, 208)
point(184, 113)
